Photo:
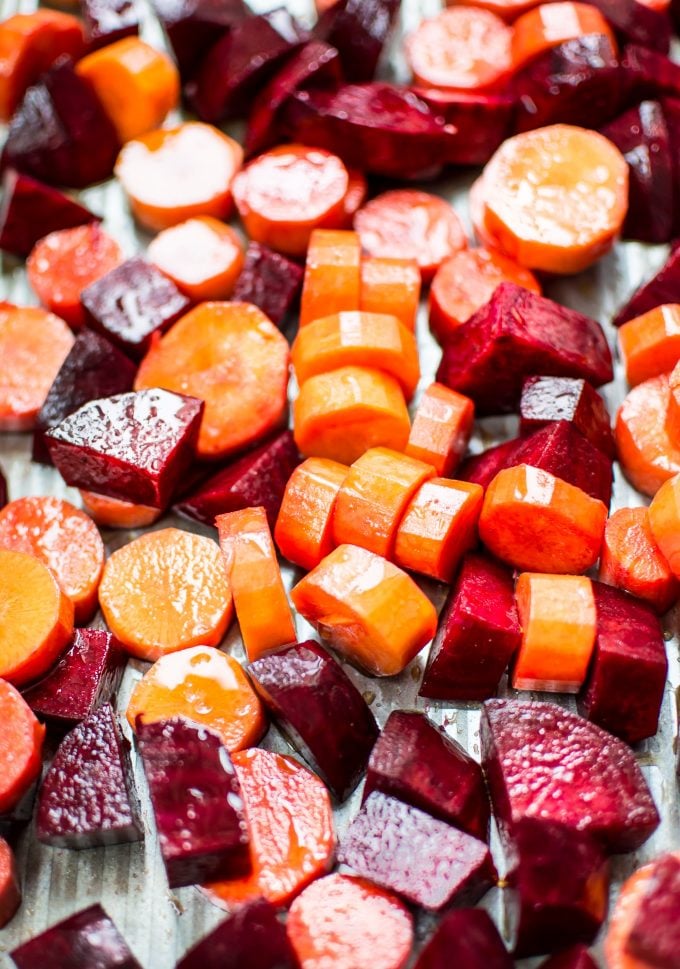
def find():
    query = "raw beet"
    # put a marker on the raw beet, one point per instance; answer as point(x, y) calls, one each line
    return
point(577, 957)
point(133, 446)
point(196, 800)
point(477, 636)
point(107, 21)
point(87, 940)
point(467, 939)
point(482, 122)
point(482, 468)
point(637, 22)
point(671, 113)
point(269, 281)
point(515, 334)
point(320, 710)
point(655, 933)
point(547, 399)
point(87, 676)
point(94, 368)
point(257, 478)
point(194, 26)
point(87, 797)
point(416, 762)
point(425, 860)
point(544, 762)
point(3, 490)
point(648, 74)
point(131, 303)
point(662, 288)
point(359, 30)
point(627, 677)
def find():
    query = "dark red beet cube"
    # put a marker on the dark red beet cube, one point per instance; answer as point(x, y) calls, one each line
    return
point(134, 446)
point(655, 934)
point(196, 800)
point(637, 22)
point(662, 288)
point(478, 634)
point(194, 26)
point(482, 122)
point(577, 957)
point(416, 762)
point(648, 74)
point(482, 468)
point(547, 399)
point(467, 939)
point(320, 710)
point(87, 940)
point(87, 797)
point(428, 862)
point(359, 30)
point(107, 21)
point(269, 281)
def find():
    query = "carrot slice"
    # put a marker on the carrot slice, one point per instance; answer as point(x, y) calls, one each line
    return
point(345, 922)
point(304, 528)
point(260, 599)
point(65, 263)
point(550, 24)
point(622, 918)
point(62, 537)
point(33, 346)
point(332, 275)
point(646, 450)
point(203, 685)
point(175, 174)
point(357, 339)
point(391, 286)
point(508, 10)
point(231, 356)
point(20, 746)
point(287, 192)
point(441, 428)
point(166, 591)
point(202, 256)
point(480, 225)
point(409, 224)
point(290, 822)
point(367, 609)
point(114, 513)
point(355, 196)
point(664, 521)
point(10, 890)
point(650, 344)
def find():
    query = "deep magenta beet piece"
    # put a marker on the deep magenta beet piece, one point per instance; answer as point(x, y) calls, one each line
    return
point(13, 823)
point(477, 636)
point(526, 749)
point(131, 303)
point(3, 489)
point(664, 287)
point(87, 797)
point(134, 446)
point(87, 676)
point(482, 468)
point(194, 26)
point(359, 30)
point(269, 281)
point(576, 957)
point(107, 21)
point(638, 23)
point(482, 122)
point(547, 399)
point(196, 800)
point(649, 74)
point(467, 939)
point(320, 710)
point(655, 934)
point(87, 940)
point(428, 862)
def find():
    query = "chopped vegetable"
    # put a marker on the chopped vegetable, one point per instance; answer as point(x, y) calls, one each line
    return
point(332, 275)
point(10, 888)
point(467, 936)
point(87, 938)
point(390, 286)
point(20, 750)
point(304, 527)
point(253, 936)
point(269, 281)
point(573, 399)
point(107, 21)
point(202, 256)
point(631, 560)
point(663, 287)
point(114, 513)
point(359, 30)
point(441, 429)
point(650, 344)
point(550, 24)
point(645, 436)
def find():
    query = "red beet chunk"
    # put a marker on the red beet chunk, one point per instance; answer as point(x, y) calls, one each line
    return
point(131, 303)
point(547, 399)
point(134, 446)
point(320, 710)
point(87, 797)
point(478, 634)
point(269, 281)
point(87, 676)
point(467, 939)
point(107, 21)
point(577, 957)
point(482, 122)
point(196, 800)
point(648, 74)
point(3, 490)
point(662, 288)
point(359, 30)
point(515, 334)
point(194, 26)
point(655, 934)
point(637, 23)
point(94, 368)
point(87, 940)
point(257, 478)
point(416, 762)
point(482, 468)
point(547, 763)
point(13, 823)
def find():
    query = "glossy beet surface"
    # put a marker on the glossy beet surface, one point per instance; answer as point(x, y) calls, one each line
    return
point(481, 121)
point(546, 399)
point(416, 762)
point(637, 22)
point(358, 29)
point(107, 21)
point(425, 860)
point(321, 711)
point(269, 281)
point(576, 957)
point(193, 26)
point(87, 940)
point(664, 287)
point(655, 933)
point(482, 468)
point(546, 763)
point(196, 800)
point(87, 797)
point(467, 939)
point(134, 446)
point(648, 74)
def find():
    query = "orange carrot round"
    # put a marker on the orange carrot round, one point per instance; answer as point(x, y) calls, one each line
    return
point(621, 920)
point(202, 256)
point(391, 286)
point(20, 747)
point(650, 344)
point(646, 450)
point(114, 513)
point(332, 275)
point(10, 890)
point(355, 196)
point(304, 527)
point(508, 10)
point(441, 429)
point(550, 24)
point(480, 225)
point(664, 521)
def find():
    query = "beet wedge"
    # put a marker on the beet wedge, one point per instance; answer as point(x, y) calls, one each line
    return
point(482, 468)
point(359, 30)
point(481, 122)
point(468, 939)
point(547, 399)
point(637, 23)
point(269, 281)
point(662, 288)
point(192, 27)
point(86, 940)
point(107, 21)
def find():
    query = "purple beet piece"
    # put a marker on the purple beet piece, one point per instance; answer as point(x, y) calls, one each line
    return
point(194, 26)
point(515, 334)
point(3, 489)
point(671, 113)
point(482, 122)
point(467, 939)
point(87, 940)
point(86, 676)
point(131, 303)
point(196, 800)
point(133, 446)
point(94, 368)
point(664, 287)
point(320, 710)
point(107, 21)
point(269, 281)
point(627, 677)
point(655, 933)
point(544, 762)
point(648, 74)
point(416, 762)
point(637, 23)
point(477, 636)
point(252, 938)
point(547, 399)
point(576, 957)
point(257, 478)
point(428, 862)
point(87, 797)
point(359, 30)
point(482, 468)
point(13, 823)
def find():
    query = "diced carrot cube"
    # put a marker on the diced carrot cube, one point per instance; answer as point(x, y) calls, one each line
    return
point(441, 428)
point(332, 274)
point(650, 344)
point(391, 286)
point(304, 528)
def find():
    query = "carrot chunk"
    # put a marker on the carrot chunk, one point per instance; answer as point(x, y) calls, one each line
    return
point(646, 449)
point(355, 196)
point(332, 275)
point(10, 890)
point(650, 344)
point(304, 528)
point(202, 256)
point(632, 560)
point(231, 356)
point(260, 600)
point(540, 523)
point(367, 609)
point(441, 428)
point(664, 521)
point(20, 746)
point(622, 918)
point(391, 286)
point(551, 24)
point(114, 513)
point(166, 591)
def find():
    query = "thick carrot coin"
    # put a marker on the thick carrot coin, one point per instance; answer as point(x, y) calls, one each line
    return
point(332, 275)
point(166, 591)
point(441, 429)
point(205, 686)
point(231, 356)
point(65, 263)
point(62, 537)
point(347, 922)
point(174, 174)
point(202, 256)
point(114, 513)
point(664, 521)
point(290, 822)
point(622, 918)
point(304, 528)
point(355, 196)
point(408, 224)
point(508, 10)
point(20, 747)
point(391, 286)
point(10, 889)
point(33, 346)
point(550, 24)
point(480, 225)
point(650, 344)
point(646, 449)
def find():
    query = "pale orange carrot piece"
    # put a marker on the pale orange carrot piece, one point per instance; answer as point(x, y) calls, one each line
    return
point(202, 256)
point(166, 591)
point(304, 528)
point(20, 746)
point(549, 24)
point(673, 412)
point(480, 225)
point(10, 889)
point(114, 513)
point(646, 449)
point(355, 196)
point(650, 344)
point(441, 429)
point(507, 10)
point(332, 275)
point(621, 920)
point(391, 286)
point(664, 521)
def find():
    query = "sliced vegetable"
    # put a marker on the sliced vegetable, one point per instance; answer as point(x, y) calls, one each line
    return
point(269, 281)
point(10, 888)
point(332, 275)
point(547, 399)
point(663, 287)
point(481, 121)
point(22, 740)
point(647, 902)
point(253, 936)
point(650, 344)
point(359, 31)
point(470, 937)
point(550, 24)
point(193, 26)
point(390, 286)
point(576, 957)
point(86, 938)
point(107, 21)
point(114, 513)
point(202, 256)
point(304, 527)
point(631, 560)
point(441, 429)
point(645, 436)
point(628, 904)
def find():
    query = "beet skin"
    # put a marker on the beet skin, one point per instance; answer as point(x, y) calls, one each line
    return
point(86, 940)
